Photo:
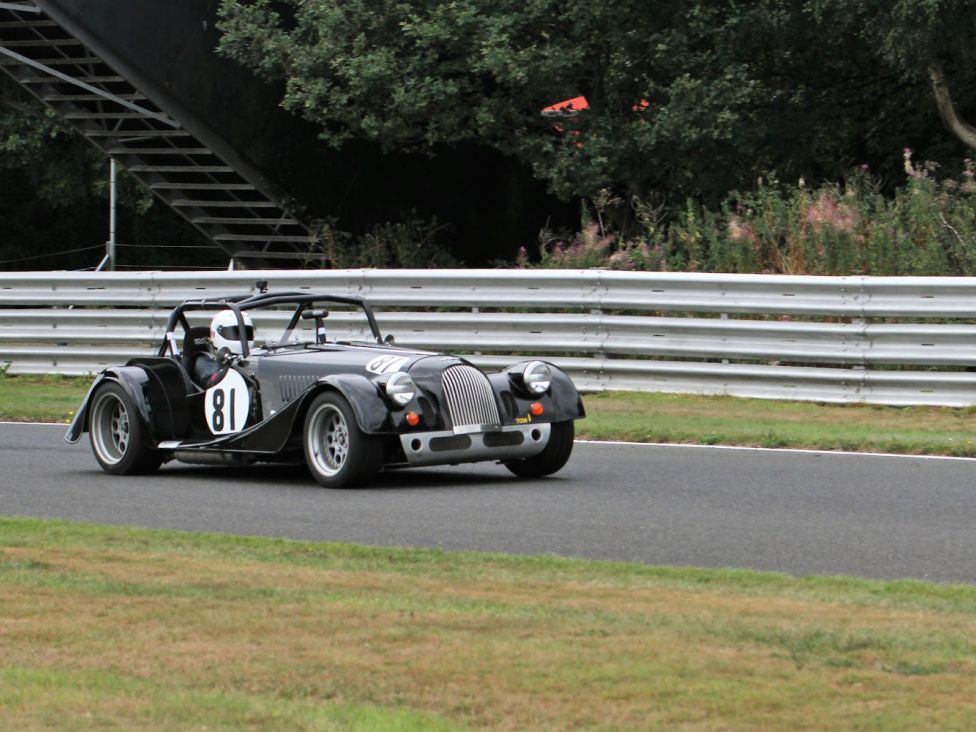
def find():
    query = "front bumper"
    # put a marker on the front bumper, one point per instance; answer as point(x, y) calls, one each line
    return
point(515, 442)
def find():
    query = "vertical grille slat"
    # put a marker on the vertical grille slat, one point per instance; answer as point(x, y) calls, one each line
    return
point(470, 399)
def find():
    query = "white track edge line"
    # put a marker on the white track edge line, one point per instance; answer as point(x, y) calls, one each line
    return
point(42, 424)
point(801, 451)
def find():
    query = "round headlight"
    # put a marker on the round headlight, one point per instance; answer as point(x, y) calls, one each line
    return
point(536, 377)
point(401, 389)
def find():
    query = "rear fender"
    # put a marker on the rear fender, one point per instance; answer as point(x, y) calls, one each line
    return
point(131, 378)
point(157, 389)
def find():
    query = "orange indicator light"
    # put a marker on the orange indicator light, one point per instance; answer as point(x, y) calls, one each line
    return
point(536, 409)
point(413, 419)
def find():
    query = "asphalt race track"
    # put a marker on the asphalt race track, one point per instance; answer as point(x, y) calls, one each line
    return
point(795, 512)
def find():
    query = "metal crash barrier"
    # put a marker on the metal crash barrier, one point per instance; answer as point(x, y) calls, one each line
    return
point(881, 340)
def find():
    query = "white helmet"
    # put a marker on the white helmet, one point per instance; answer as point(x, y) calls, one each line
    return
point(224, 332)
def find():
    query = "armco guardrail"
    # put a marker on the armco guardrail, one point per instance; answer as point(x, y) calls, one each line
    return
point(883, 340)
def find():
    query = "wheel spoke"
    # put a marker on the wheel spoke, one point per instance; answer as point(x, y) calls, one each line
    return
point(329, 440)
point(120, 428)
point(110, 428)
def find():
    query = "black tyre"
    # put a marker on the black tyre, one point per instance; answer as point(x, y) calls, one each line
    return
point(117, 435)
point(338, 453)
point(553, 456)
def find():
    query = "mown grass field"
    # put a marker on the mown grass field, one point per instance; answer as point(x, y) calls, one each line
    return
point(104, 628)
point(658, 418)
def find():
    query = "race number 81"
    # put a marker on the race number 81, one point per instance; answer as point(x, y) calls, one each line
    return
point(226, 404)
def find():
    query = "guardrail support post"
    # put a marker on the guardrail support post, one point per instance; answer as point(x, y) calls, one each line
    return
point(112, 210)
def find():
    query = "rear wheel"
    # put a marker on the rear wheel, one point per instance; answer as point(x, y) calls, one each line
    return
point(553, 456)
point(117, 434)
point(338, 453)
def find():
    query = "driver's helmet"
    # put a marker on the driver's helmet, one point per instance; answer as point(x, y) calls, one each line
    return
point(225, 332)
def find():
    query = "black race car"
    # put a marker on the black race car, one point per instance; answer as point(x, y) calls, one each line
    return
point(349, 408)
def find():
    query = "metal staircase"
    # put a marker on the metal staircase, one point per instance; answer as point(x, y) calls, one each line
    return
point(233, 211)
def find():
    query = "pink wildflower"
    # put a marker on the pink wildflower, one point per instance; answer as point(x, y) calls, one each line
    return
point(620, 260)
point(827, 212)
point(741, 230)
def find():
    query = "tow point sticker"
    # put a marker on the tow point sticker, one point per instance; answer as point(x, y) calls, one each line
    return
point(387, 364)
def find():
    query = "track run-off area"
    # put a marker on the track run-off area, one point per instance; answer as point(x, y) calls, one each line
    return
point(802, 513)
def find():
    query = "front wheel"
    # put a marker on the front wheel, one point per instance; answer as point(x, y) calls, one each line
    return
point(553, 456)
point(338, 453)
point(117, 433)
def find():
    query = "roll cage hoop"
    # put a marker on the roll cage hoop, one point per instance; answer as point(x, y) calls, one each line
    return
point(242, 303)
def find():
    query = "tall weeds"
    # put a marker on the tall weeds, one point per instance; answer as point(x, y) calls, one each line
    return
point(413, 243)
point(928, 227)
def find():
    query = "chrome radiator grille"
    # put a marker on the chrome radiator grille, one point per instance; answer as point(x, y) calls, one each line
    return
point(470, 399)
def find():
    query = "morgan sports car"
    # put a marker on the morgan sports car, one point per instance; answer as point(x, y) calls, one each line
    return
point(347, 408)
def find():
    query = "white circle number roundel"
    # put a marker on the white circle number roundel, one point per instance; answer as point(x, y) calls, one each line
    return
point(227, 404)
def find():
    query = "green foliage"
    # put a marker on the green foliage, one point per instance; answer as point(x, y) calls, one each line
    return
point(58, 167)
point(907, 34)
point(928, 227)
point(409, 244)
point(733, 89)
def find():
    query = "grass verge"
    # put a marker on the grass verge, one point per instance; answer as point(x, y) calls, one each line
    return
point(717, 420)
point(115, 627)
point(641, 417)
point(41, 398)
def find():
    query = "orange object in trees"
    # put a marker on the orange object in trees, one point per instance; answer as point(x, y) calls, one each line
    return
point(570, 108)
point(566, 108)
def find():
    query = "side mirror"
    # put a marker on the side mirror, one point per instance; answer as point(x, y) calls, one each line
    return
point(389, 340)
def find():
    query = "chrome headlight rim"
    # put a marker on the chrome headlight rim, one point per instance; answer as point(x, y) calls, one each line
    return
point(400, 388)
point(536, 377)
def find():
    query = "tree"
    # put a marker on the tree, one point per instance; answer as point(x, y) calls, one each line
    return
point(425, 74)
point(60, 166)
point(734, 89)
point(918, 42)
